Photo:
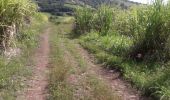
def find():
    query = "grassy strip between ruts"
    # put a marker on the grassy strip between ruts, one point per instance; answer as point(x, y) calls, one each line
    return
point(59, 89)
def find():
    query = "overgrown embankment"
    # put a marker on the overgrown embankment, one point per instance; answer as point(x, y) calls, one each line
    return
point(134, 41)
point(13, 14)
point(15, 70)
point(19, 28)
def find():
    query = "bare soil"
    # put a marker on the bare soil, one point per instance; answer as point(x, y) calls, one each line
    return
point(37, 84)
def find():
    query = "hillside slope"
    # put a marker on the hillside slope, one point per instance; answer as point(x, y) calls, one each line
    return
point(61, 7)
point(122, 3)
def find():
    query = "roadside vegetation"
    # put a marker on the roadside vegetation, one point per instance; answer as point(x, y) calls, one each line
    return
point(20, 25)
point(134, 40)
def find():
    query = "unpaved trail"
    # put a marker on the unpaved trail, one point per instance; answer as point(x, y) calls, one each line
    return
point(90, 81)
point(37, 84)
point(112, 77)
point(84, 66)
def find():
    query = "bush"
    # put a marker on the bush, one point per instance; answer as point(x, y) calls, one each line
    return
point(144, 32)
point(100, 20)
point(146, 25)
point(121, 24)
point(83, 18)
point(103, 21)
point(12, 15)
point(153, 32)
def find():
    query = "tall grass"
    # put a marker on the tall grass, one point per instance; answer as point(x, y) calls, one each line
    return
point(141, 33)
point(83, 18)
point(100, 19)
point(103, 21)
point(147, 25)
point(13, 13)
point(155, 33)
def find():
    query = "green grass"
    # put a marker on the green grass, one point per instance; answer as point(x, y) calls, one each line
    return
point(13, 14)
point(61, 19)
point(59, 89)
point(151, 78)
point(100, 19)
point(31, 32)
point(14, 11)
point(73, 6)
point(73, 50)
point(113, 43)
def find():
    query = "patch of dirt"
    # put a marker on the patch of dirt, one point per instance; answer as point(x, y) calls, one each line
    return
point(37, 84)
point(113, 78)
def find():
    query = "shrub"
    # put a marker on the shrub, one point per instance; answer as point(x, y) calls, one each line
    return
point(121, 24)
point(83, 20)
point(153, 32)
point(146, 25)
point(144, 32)
point(103, 20)
point(100, 20)
point(12, 15)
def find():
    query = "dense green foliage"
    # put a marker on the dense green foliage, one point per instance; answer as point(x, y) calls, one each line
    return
point(137, 43)
point(88, 19)
point(103, 19)
point(13, 14)
point(153, 31)
point(84, 19)
point(14, 11)
point(147, 26)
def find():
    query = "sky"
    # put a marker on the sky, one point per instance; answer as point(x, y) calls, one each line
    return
point(144, 1)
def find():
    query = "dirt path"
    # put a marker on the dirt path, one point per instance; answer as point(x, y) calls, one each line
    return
point(38, 82)
point(89, 81)
point(84, 68)
point(112, 77)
